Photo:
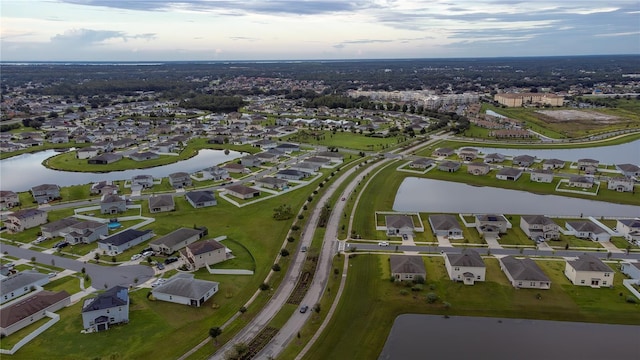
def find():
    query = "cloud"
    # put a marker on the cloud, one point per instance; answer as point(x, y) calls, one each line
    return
point(90, 37)
point(232, 7)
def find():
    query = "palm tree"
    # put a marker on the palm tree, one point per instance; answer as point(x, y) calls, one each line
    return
point(214, 332)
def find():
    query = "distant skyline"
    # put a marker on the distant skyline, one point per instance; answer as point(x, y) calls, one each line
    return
point(202, 30)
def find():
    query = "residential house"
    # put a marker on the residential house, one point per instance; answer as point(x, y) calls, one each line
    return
point(265, 144)
point(306, 167)
point(444, 152)
point(179, 180)
point(421, 163)
point(478, 168)
point(580, 181)
point(104, 188)
point(59, 227)
point(445, 225)
point(31, 309)
point(200, 199)
point(320, 161)
point(186, 290)
point(142, 181)
point(491, 225)
point(118, 243)
point(523, 160)
point(236, 168)
point(468, 154)
point(630, 229)
point(589, 166)
point(629, 170)
point(143, 156)
point(161, 203)
point(509, 173)
point(588, 270)
point(621, 184)
point(177, 240)
point(267, 157)
point(467, 266)
point(331, 155)
point(494, 158)
point(242, 192)
point(202, 253)
point(539, 227)
point(87, 153)
point(113, 204)
point(215, 173)
point(407, 267)
point(86, 232)
point(289, 174)
point(104, 159)
point(524, 273)
point(398, 225)
point(108, 308)
point(14, 286)
point(631, 269)
point(25, 219)
point(542, 176)
point(552, 164)
point(585, 229)
point(449, 166)
point(8, 199)
point(44, 193)
point(288, 148)
point(272, 183)
point(250, 161)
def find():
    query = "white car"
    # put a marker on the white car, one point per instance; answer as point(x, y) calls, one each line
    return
point(148, 253)
point(135, 257)
point(383, 243)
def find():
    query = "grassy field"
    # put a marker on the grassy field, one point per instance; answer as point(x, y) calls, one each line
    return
point(346, 139)
point(371, 303)
point(68, 162)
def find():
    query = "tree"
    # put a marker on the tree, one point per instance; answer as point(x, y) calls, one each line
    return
point(282, 212)
point(214, 332)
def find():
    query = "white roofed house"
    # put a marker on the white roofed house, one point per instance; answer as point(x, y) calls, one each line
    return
point(87, 153)
point(108, 308)
point(588, 270)
point(25, 219)
point(467, 266)
point(186, 290)
point(202, 253)
point(524, 273)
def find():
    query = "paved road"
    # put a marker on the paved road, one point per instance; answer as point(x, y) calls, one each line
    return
point(100, 275)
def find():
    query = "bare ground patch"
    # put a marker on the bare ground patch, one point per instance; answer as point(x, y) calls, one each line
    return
point(579, 115)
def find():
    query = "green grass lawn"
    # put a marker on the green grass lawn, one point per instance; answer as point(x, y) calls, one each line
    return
point(70, 284)
point(346, 140)
point(371, 303)
point(46, 146)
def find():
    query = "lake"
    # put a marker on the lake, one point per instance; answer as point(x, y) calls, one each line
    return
point(21, 173)
point(627, 153)
point(427, 195)
point(418, 337)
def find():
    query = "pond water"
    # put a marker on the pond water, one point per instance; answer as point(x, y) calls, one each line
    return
point(417, 337)
point(427, 195)
point(627, 153)
point(22, 172)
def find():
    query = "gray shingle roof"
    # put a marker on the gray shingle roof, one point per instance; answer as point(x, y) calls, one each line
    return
point(586, 226)
point(202, 247)
point(523, 269)
point(411, 264)
point(20, 280)
point(468, 257)
point(160, 201)
point(185, 285)
point(399, 221)
point(15, 312)
point(114, 297)
point(444, 222)
point(177, 236)
point(124, 237)
point(588, 262)
point(201, 196)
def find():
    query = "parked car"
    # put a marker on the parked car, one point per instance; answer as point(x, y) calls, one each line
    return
point(160, 266)
point(148, 253)
point(304, 309)
point(136, 257)
point(53, 274)
point(405, 237)
point(40, 239)
point(383, 243)
point(303, 249)
point(170, 260)
point(61, 244)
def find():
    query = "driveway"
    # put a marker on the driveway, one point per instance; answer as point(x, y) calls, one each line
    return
point(100, 275)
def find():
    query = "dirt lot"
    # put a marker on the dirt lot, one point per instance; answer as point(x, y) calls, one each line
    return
point(579, 115)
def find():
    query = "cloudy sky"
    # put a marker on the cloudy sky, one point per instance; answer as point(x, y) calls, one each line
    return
point(165, 30)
